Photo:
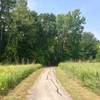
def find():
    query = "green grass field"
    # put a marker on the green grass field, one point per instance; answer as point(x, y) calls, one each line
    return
point(87, 73)
point(11, 75)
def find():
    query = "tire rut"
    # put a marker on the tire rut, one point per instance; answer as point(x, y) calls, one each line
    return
point(57, 88)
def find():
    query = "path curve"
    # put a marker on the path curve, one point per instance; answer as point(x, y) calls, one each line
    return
point(47, 87)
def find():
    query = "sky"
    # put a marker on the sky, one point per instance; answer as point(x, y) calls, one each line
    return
point(89, 8)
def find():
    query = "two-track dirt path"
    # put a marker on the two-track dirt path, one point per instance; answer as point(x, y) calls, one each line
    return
point(47, 88)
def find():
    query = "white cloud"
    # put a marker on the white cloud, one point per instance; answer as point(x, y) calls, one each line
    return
point(32, 4)
point(97, 34)
point(94, 31)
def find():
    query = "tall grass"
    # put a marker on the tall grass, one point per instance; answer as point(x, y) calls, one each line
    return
point(10, 76)
point(87, 73)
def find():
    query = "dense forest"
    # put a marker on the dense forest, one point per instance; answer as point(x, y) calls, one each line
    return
point(29, 37)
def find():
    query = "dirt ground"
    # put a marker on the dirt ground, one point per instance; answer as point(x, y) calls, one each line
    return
point(47, 87)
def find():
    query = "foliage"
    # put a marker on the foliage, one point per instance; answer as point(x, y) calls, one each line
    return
point(73, 86)
point(70, 28)
point(28, 37)
point(98, 51)
point(6, 6)
point(88, 45)
point(87, 73)
point(11, 75)
point(46, 36)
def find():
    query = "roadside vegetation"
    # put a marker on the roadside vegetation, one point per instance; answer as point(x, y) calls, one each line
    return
point(21, 90)
point(12, 75)
point(74, 87)
point(87, 73)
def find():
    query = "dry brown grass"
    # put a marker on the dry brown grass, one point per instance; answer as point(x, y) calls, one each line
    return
point(74, 87)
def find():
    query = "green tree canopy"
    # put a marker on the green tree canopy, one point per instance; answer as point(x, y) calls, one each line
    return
point(88, 45)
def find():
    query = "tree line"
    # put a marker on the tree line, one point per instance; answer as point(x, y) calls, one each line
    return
point(26, 36)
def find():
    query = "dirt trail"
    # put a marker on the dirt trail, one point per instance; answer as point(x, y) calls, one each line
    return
point(47, 88)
